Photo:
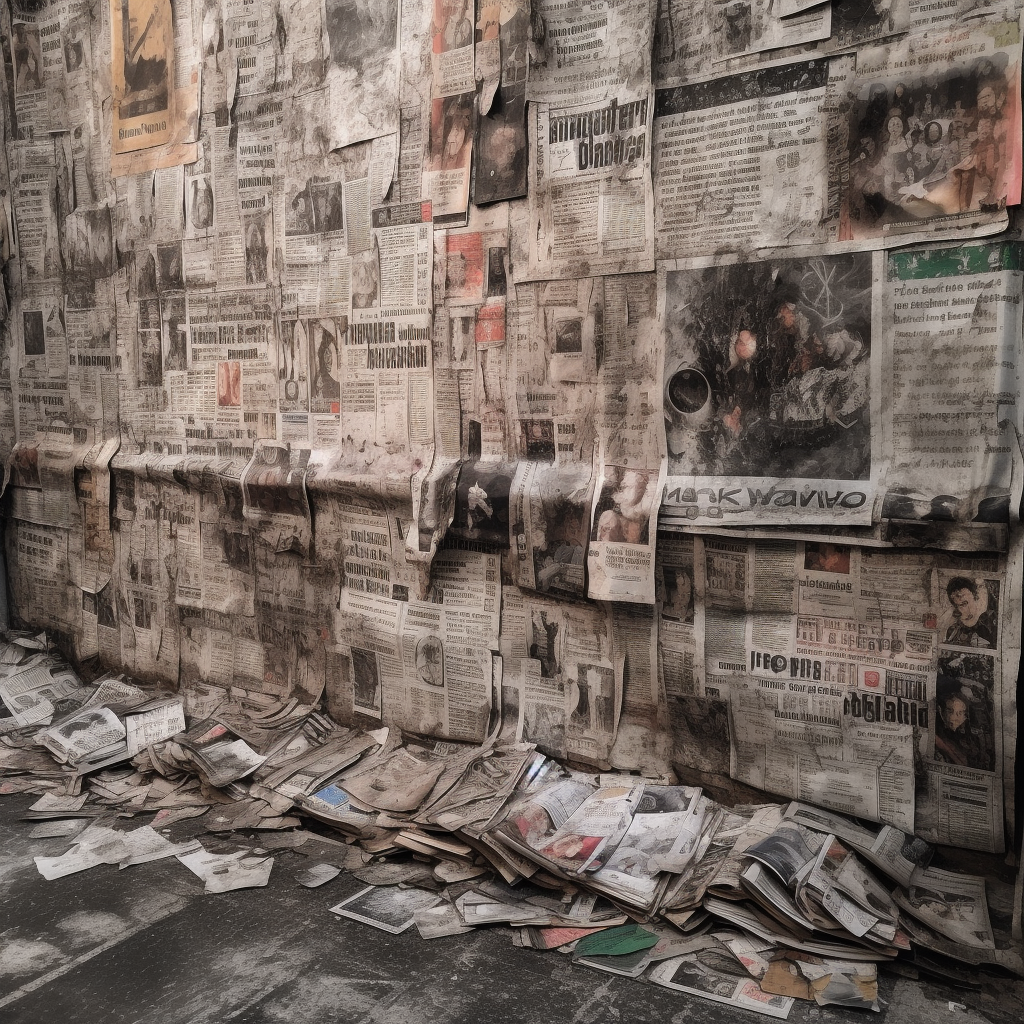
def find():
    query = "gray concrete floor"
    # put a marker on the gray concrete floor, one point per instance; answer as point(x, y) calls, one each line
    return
point(147, 945)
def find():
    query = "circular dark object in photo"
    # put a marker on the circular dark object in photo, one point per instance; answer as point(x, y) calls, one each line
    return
point(688, 390)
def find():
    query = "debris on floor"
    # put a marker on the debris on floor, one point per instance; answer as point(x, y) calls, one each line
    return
point(753, 906)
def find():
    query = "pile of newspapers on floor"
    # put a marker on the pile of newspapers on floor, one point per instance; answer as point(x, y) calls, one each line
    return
point(751, 905)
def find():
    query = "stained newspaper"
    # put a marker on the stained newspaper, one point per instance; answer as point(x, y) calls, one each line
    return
point(865, 680)
point(636, 381)
point(781, 157)
point(155, 85)
point(771, 385)
point(591, 203)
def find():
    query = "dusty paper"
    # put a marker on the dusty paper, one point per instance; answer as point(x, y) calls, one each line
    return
point(743, 158)
point(620, 558)
point(909, 159)
point(955, 166)
point(426, 663)
point(855, 665)
point(499, 151)
point(952, 314)
point(771, 381)
point(361, 43)
point(155, 104)
point(589, 52)
point(591, 204)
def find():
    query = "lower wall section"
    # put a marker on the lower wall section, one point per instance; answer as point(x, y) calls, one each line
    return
point(873, 680)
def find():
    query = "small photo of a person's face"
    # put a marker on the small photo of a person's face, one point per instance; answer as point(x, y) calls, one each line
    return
point(966, 603)
point(955, 713)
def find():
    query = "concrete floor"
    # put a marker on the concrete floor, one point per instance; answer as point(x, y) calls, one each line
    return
point(147, 945)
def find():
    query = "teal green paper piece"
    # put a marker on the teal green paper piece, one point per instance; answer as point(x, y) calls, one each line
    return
point(626, 938)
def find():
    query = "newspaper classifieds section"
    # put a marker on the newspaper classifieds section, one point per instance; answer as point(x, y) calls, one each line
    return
point(866, 680)
point(771, 381)
point(741, 162)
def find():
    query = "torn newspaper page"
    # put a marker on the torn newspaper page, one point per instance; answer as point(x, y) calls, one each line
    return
point(155, 111)
point(360, 40)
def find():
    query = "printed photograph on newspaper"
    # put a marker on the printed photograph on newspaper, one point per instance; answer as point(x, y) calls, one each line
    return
point(768, 397)
point(934, 136)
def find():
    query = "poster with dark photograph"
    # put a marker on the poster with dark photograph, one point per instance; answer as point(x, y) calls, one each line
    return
point(970, 616)
point(700, 733)
point(168, 267)
point(451, 132)
point(199, 204)
point(679, 594)
point(150, 366)
point(89, 243)
point(142, 75)
point(174, 331)
point(592, 700)
point(931, 141)
point(821, 556)
point(328, 205)
point(365, 286)
point(537, 440)
point(551, 527)
point(768, 389)
point(323, 343)
point(500, 155)
point(293, 365)
point(33, 334)
point(482, 503)
point(545, 643)
point(25, 466)
point(365, 682)
point(430, 661)
point(28, 58)
point(258, 240)
point(624, 506)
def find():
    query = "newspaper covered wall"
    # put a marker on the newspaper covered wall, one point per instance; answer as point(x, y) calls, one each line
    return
point(634, 378)
point(915, 139)
point(877, 682)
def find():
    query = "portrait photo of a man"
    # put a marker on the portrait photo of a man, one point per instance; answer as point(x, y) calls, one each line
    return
point(974, 607)
point(965, 721)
